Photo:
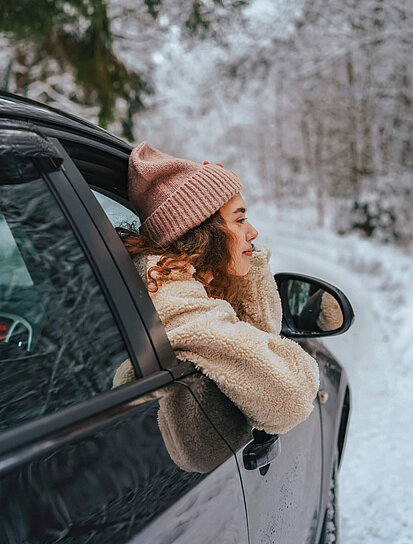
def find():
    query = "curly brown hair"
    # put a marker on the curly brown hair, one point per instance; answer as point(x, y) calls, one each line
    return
point(205, 247)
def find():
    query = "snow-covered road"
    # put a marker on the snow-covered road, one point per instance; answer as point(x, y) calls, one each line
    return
point(376, 478)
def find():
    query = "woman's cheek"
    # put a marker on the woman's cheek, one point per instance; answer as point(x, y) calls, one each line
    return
point(241, 265)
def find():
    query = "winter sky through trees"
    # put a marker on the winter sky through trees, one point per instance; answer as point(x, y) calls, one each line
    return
point(309, 101)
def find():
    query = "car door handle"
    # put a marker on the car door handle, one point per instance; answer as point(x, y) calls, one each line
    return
point(262, 450)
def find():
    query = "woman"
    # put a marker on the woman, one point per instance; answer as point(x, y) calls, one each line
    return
point(215, 295)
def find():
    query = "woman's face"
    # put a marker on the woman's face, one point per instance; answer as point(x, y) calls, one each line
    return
point(243, 233)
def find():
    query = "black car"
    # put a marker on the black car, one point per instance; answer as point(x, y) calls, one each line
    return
point(167, 458)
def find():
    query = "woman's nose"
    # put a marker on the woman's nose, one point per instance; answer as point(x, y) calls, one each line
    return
point(251, 234)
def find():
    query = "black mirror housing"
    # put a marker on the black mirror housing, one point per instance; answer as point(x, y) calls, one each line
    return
point(312, 307)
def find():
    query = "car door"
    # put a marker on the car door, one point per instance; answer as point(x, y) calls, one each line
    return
point(283, 497)
point(283, 492)
point(79, 460)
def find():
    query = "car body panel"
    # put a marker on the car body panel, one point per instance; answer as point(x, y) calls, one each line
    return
point(291, 484)
point(333, 386)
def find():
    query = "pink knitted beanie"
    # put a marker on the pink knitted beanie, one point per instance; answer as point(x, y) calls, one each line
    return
point(171, 196)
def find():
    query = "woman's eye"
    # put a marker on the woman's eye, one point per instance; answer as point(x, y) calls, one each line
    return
point(242, 220)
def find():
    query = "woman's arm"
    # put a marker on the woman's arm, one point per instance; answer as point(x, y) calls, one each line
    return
point(330, 316)
point(271, 379)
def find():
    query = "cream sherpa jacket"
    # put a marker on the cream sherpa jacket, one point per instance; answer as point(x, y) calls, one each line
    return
point(271, 379)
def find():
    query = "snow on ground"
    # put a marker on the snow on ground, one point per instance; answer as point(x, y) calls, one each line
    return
point(376, 477)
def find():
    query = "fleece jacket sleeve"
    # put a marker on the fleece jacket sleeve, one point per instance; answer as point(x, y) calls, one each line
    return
point(258, 301)
point(272, 380)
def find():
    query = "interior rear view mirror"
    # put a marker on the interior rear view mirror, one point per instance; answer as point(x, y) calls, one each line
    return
point(312, 307)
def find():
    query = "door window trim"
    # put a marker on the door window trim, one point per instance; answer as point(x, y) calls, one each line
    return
point(137, 290)
point(107, 275)
point(41, 428)
point(123, 151)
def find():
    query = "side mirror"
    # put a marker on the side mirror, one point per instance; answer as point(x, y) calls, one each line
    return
point(312, 307)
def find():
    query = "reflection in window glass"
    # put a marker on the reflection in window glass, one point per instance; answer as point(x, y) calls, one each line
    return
point(59, 344)
point(298, 293)
point(13, 269)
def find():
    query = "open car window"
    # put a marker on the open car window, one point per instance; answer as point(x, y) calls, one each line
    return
point(104, 170)
point(118, 214)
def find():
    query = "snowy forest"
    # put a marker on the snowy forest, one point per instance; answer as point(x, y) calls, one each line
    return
point(310, 102)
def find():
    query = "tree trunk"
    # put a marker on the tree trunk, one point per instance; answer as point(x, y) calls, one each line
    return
point(318, 171)
point(353, 169)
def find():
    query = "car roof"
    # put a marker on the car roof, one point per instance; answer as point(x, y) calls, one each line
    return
point(13, 106)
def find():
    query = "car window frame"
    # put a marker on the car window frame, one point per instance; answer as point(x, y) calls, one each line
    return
point(135, 337)
point(133, 282)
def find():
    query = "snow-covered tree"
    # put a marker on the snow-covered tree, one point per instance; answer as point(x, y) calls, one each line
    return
point(97, 55)
point(309, 101)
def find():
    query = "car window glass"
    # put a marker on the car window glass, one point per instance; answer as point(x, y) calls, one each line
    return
point(59, 343)
point(116, 212)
